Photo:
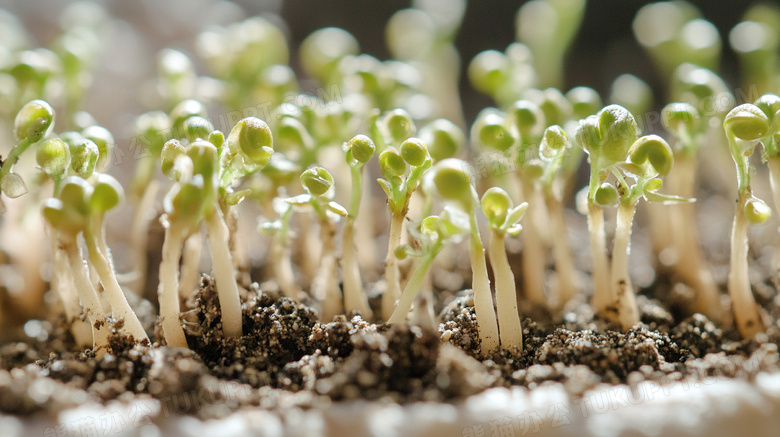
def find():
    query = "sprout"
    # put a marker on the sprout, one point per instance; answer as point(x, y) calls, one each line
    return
point(444, 139)
point(104, 142)
point(359, 150)
point(769, 104)
point(744, 125)
point(688, 126)
point(80, 207)
point(431, 233)
point(318, 182)
point(503, 218)
point(402, 173)
point(31, 125)
point(322, 51)
point(606, 138)
point(453, 184)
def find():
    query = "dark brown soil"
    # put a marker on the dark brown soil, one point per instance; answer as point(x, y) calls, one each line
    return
point(288, 357)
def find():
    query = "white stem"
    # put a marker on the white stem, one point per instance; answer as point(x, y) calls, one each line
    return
point(62, 284)
point(483, 299)
point(534, 252)
point(283, 270)
point(745, 308)
point(167, 291)
point(510, 328)
point(324, 286)
point(190, 265)
point(690, 263)
point(412, 288)
point(224, 274)
point(624, 308)
point(602, 292)
point(119, 307)
point(392, 274)
point(140, 236)
point(564, 263)
point(354, 295)
point(88, 296)
point(774, 179)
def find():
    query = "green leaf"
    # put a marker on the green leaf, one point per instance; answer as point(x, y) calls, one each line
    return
point(337, 209)
point(386, 187)
point(13, 186)
point(238, 196)
point(665, 199)
point(301, 199)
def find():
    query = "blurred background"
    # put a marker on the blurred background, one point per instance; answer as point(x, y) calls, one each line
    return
point(604, 48)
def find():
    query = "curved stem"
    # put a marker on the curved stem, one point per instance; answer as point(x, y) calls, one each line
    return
point(413, 286)
point(12, 157)
point(224, 274)
point(392, 275)
point(745, 308)
point(190, 265)
point(62, 284)
point(602, 292)
point(120, 308)
point(88, 296)
point(167, 290)
point(623, 309)
point(480, 284)
point(510, 328)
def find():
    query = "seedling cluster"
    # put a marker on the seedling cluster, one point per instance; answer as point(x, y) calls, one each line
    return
point(296, 168)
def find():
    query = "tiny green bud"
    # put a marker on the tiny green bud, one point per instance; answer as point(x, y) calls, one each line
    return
point(493, 134)
point(554, 138)
point(84, 155)
point(316, 181)
point(746, 122)
point(154, 127)
point(606, 195)
point(489, 71)
point(204, 159)
point(399, 125)
point(323, 48)
point(217, 138)
point(655, 151)
point(444, 139)
point(170, 151)
point(253, 138)
point(681, 117)
point(184, 110)
point(291, 133)
point(757, 211)
point(608, 134)
point(401, 252)
point(197, 128)
point(527, 117)
point(361, 148)
point(414, 151)
point(585, 101)
point(185, 201)
point(104, 141)
point(75, 194)
point(554, 105)
point(33, 121)
point(452, 182)
point(769, 104)
point(53, 155)
point(106, 195)
point(391, 163)
point(496, 205)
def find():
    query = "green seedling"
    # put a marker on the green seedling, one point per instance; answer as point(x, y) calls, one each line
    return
point(431, 234)
point(359, 150)
point(318, 184)
point(453, 184)
point(503, 218)
point(745, 125)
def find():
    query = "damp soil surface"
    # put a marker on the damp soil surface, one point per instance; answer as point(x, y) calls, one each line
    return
point(288, 358)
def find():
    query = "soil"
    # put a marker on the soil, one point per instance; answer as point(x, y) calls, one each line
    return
point(287, 357)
